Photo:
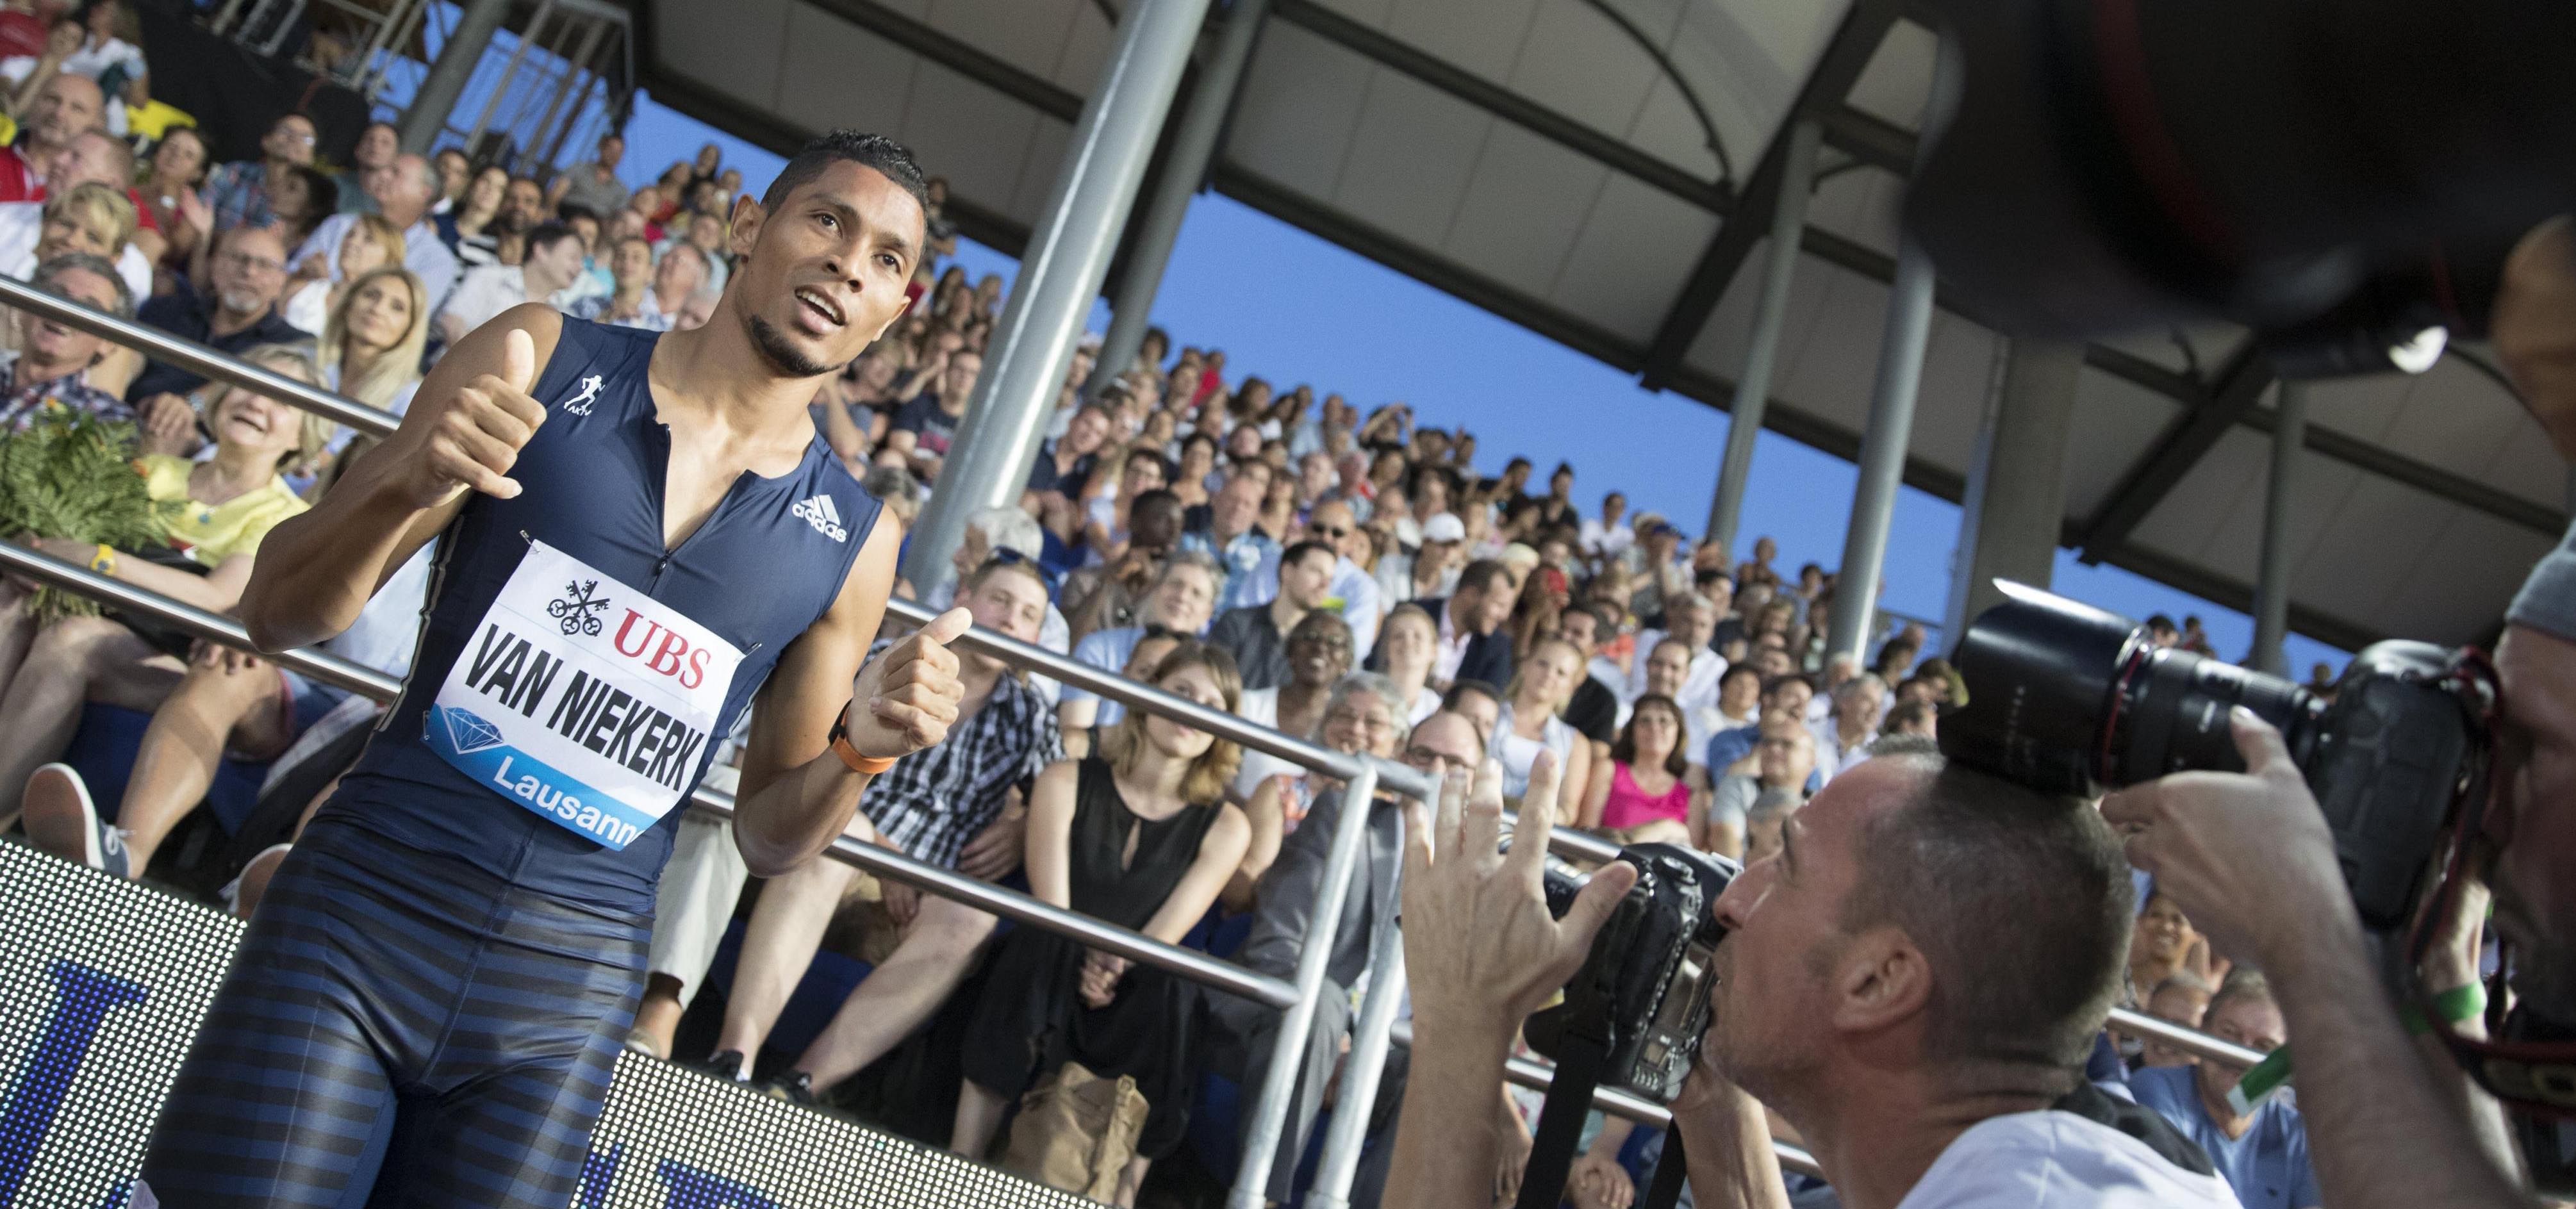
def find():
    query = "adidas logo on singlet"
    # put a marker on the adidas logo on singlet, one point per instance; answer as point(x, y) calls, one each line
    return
point(820, 513)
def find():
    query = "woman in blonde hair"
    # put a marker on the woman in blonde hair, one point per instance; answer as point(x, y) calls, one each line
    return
point(95, 220)
point(311, 296)
point(1529, 724)
point(370, 352)
point(1140, 837)
point(227, 505)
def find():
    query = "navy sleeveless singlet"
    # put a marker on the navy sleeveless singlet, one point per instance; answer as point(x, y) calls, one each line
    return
point(764, 567)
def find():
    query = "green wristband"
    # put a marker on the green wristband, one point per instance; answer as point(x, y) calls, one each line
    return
point(2457, 1005)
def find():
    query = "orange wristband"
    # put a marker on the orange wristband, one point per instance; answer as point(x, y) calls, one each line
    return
point(865, 765)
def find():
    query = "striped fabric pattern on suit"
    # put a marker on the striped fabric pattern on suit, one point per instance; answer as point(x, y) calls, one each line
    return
point(400, 1018)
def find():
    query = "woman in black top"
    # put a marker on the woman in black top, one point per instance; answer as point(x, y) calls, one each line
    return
point(1142, 839)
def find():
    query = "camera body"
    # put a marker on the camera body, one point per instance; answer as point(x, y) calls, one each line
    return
point(2066, 698)
point(1642, 994)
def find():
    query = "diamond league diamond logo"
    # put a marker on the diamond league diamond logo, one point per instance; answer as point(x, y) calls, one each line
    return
point(467, 733)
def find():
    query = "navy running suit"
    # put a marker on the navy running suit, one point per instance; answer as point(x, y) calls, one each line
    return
point(427, 1005)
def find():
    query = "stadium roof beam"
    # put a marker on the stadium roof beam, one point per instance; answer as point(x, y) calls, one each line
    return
point(1394, 53)
point(1845, 57)
point(1869, 141)
point(2239, 386)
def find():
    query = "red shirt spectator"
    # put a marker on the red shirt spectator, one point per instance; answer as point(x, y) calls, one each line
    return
point(17, 183)
point(22, 34)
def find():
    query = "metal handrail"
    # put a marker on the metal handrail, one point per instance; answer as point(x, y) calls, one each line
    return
point(1402, 778)
point(947, 883)
point(195, 358)
point(1188, 963)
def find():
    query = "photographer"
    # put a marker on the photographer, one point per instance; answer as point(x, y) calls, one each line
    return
point(1911, 983)
point(2250, 857)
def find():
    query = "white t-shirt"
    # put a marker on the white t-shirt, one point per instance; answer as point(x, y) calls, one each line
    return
point(2058, 1160)
point(486, 291)
point(22, 224)
point(1260, 707)
point(1606, 543)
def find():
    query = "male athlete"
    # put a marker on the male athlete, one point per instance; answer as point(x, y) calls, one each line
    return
point(429, 1000)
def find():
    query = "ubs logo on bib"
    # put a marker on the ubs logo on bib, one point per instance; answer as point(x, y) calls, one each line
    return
point(670, 656)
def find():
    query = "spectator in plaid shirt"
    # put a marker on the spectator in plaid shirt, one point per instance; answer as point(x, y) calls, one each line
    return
point(48, 372)
point(945, 805)
point(239, 192)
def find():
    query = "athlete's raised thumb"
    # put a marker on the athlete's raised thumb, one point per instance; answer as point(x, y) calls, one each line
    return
point(519, 360)
point(946, 627)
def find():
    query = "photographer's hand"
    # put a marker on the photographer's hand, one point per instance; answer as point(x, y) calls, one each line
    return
point(1726, 1136)
point(1481, 952)
point(1480, 948)
point(2248, 857)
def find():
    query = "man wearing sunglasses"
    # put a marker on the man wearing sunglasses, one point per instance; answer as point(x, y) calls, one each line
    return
point(1239, 1044)
point(1334, 524)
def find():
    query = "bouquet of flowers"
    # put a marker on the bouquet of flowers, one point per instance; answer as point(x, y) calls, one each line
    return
point(68, 475)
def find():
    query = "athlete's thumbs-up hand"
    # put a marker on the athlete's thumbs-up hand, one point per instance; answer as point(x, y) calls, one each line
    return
point(905, 700)
point(474, 433)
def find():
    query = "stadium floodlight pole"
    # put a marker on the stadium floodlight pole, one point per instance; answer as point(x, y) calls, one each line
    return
point(1762, 354)
point(1314, 953)
point(1371, 1036)
point(1059, 276)
point(457, 58)
point(1184, 167)
point(1882, 451)
point(2272, 577)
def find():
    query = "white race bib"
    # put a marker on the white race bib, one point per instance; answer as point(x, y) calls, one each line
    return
point(582, 699)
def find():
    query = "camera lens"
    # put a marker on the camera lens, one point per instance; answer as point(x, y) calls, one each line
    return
point(2173, 715)
point(2066, 698)
point(2041, 673)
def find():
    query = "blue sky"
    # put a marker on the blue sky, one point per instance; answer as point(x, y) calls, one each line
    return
point(1294, 308)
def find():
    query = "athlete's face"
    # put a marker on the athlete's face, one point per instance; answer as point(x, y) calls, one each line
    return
point(823, 275)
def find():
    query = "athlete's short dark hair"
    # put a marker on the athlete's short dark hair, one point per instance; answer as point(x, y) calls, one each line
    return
point(887, 156)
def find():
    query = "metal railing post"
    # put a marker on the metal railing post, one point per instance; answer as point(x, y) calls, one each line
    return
point(1371, 1036)
point(1314, 952)
point(373, 81)
point(72, 577)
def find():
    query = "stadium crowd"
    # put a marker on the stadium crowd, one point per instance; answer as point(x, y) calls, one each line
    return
point(1338, 572)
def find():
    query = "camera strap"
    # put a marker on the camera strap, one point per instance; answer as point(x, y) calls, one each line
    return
point(1560, 1128)
point(1580, 1056)
point(1670, 1170)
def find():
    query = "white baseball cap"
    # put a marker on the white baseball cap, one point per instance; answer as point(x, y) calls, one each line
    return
point(1444, 527)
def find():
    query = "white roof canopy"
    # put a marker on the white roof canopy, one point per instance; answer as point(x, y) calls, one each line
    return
point(1601, 172)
